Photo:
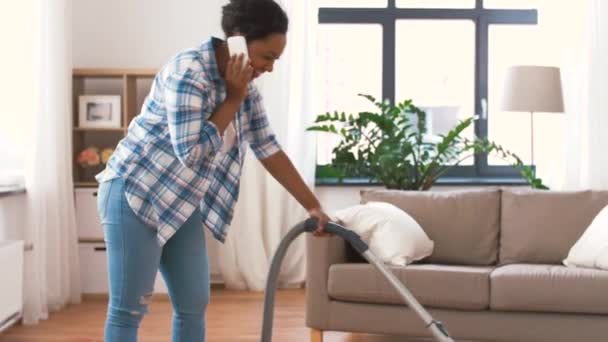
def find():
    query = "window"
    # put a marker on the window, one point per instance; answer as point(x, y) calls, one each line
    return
point(365, 46)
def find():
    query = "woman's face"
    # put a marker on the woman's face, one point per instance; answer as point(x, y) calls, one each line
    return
point(264, 52)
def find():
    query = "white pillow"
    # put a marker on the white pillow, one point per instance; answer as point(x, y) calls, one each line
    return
point(392, 235)
point(591, 249)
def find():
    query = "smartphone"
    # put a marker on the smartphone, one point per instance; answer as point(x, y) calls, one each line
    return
point(238, 45)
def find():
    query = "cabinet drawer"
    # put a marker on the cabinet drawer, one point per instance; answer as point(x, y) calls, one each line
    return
point(87, 218)
point(94, 273)
point(93, 268)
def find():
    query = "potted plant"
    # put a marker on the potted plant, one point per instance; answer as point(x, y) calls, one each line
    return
point(393, 147)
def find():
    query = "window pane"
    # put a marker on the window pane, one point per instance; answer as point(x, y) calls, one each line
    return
point(511, 4)
point(435, 68)
point(518, 45)
point(352, 3)
point(343, 71)
point(436, 3)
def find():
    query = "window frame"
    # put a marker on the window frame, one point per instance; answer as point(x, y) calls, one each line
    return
point(482, 18)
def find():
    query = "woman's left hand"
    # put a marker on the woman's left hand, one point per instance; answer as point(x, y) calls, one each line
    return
point(323, 219)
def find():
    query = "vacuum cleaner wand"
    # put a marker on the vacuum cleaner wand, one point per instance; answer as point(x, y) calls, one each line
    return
point(310, 225)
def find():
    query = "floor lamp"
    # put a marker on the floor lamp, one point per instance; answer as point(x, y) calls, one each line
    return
point(532, 89)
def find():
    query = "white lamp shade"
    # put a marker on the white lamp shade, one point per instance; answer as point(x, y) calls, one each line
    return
point(532, 89)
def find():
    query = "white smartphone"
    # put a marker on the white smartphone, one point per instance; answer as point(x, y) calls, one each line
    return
point(238, 45)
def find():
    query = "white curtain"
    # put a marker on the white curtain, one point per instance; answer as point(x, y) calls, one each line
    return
point(265, 211)
point(51, 274)
point(586, 98)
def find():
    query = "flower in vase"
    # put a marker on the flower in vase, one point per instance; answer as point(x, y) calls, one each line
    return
point(89, 157)
point(106, 153)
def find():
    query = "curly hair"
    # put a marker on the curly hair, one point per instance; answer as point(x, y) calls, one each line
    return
point(255, 19)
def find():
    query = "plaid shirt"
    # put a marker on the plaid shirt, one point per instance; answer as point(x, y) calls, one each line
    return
point(170, 159)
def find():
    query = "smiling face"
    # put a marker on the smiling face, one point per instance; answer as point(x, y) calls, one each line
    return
point(264, 52)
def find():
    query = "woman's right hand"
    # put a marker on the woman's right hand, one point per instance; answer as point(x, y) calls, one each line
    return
point(237, 79)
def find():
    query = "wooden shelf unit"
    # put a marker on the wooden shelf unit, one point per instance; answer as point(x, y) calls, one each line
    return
point(113, 72)
point(94, 129)
point(85, 184)
point(131, 84)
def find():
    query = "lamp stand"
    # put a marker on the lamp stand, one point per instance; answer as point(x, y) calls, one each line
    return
point(532, 139)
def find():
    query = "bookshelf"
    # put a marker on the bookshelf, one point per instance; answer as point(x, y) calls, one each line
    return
point(129, 88)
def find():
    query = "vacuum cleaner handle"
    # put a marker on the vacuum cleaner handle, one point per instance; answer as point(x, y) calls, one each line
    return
point(351, 237)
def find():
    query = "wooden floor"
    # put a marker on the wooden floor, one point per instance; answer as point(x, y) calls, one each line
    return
point(231, 316)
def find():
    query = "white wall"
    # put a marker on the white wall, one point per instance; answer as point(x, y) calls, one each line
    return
point(19, 58)
point(140, 33)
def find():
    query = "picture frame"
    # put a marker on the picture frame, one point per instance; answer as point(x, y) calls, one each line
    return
point(99, 111)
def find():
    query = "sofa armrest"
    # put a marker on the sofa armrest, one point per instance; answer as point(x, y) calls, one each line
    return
point(321, 253)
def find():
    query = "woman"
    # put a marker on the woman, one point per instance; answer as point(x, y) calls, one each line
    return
point(178, 170)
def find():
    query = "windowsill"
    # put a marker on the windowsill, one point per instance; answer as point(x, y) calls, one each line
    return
point(11, 190)
point(12, 182)
point(448, 181)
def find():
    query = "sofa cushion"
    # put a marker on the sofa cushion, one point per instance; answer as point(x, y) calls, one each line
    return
point(463, 224)
point(540, 227)
point(392, 235)
point(438, 286)
point(591, 249)
point(549, 288)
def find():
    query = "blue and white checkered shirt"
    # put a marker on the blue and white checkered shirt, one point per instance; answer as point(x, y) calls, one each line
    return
point(170, 158)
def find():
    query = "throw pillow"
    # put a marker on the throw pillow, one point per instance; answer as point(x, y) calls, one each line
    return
point(591, 249)
point(392, 235)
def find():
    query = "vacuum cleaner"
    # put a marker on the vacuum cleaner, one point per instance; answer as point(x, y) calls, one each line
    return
point(310, 225)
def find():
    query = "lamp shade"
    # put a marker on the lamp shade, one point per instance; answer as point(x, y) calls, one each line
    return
point(530, 88)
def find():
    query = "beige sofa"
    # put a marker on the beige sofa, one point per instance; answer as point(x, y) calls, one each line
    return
point(496, 273)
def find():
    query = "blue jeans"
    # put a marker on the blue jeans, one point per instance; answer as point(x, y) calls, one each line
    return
point(134, 256)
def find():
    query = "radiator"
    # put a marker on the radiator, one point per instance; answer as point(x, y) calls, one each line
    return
point(11, 286)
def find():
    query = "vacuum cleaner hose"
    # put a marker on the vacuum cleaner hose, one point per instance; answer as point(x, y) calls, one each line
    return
point(310, 225)
point(307, 226)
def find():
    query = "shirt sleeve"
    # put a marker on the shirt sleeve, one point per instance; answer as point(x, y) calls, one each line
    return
point(188, 105)
point(262, 139)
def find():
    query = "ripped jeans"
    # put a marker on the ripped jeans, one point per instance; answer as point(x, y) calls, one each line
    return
point(134, 258)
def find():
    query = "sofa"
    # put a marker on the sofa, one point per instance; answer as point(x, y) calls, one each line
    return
point(496, 271)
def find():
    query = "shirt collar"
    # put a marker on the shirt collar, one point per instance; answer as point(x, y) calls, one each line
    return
point(209, 60)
